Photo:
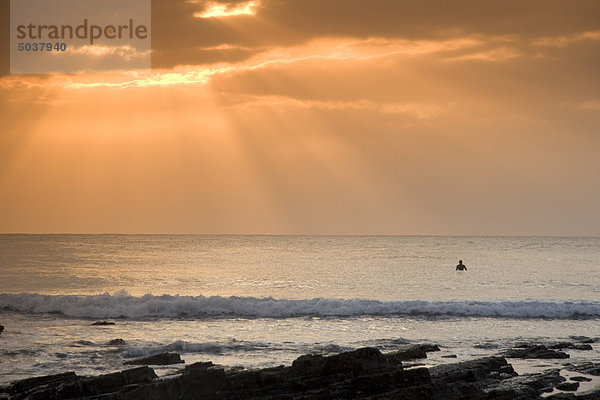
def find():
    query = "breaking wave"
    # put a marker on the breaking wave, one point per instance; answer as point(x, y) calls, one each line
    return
point(122, 305)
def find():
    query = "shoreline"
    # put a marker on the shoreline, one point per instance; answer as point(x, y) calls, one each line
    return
point(363, 373)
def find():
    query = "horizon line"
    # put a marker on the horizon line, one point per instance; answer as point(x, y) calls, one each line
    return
point(293, 234)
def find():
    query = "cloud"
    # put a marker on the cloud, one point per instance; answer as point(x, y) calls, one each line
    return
point(177, 34)
point(220, 10)
point(566, 40)
point(420, 111)
point(125, 52)
point(322, 50)
point(181, 37)
point(493, 55)
point(320, 116)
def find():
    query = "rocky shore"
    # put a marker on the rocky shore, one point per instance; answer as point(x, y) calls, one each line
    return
point(366, 373)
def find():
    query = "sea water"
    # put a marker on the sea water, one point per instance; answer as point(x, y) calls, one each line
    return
point(257, 301)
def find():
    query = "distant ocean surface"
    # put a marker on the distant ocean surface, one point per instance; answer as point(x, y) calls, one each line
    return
point(262, 301)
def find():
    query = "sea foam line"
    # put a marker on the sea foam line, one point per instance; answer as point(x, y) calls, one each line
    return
point(175, 306)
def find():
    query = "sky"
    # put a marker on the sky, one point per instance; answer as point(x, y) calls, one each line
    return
point(319, 117)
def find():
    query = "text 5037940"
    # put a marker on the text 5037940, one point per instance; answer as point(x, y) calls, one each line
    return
point(42, 46)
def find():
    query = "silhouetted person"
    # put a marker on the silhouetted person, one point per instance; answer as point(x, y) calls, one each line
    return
point(461, 266)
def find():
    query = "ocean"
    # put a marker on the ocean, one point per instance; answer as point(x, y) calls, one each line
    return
point(257, 301)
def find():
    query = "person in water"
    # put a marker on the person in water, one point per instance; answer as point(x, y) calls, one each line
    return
point(461, 266)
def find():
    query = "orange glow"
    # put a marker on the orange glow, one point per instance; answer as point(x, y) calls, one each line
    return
point(220, 10)
point(296, 121)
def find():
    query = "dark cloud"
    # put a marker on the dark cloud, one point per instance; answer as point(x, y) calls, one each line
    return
point(431, 18)
point(178, 37)
point(177, 34)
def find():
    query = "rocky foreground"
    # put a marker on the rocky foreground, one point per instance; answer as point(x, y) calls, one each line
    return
point(365, 373)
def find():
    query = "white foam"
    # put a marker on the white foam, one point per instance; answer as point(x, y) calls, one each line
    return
point(185, 347)
point(125, 306)
point(179, 346)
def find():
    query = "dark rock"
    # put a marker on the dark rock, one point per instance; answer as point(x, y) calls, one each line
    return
point(165, 389)
point(29, 384)
point(539, 381)
point(536, 351)
point(408, 378)
point(581, 347)
point(198, 365)
point(524, 345)
point(413, 352)
point(582, 339)
point(450, 356)
point(569, 345)
point(591, 395)
point(102, 323)
point(157, 359)
point(588, 368)
point(568, 386)
point(1, 328)
point(372, 384)
point(116, 342)
point(107, 383)
point(471, 371)
point(580, 379)
point(562, 396)
point(139, 375)
point(527, 386)
point(354, 361)
point(364, 373)
point(360, 360)
point(307, 364)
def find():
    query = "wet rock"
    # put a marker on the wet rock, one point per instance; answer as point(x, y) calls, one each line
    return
point(535, 352)
point(157, 359)
point(527, 386)
point(102, 323)
point(568, 386)
point(116, 342)
point(580, 379)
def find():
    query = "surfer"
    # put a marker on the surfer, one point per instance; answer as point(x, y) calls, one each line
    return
point(461, 266)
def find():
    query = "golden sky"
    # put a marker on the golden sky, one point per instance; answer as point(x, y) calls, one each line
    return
point(319, 117)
